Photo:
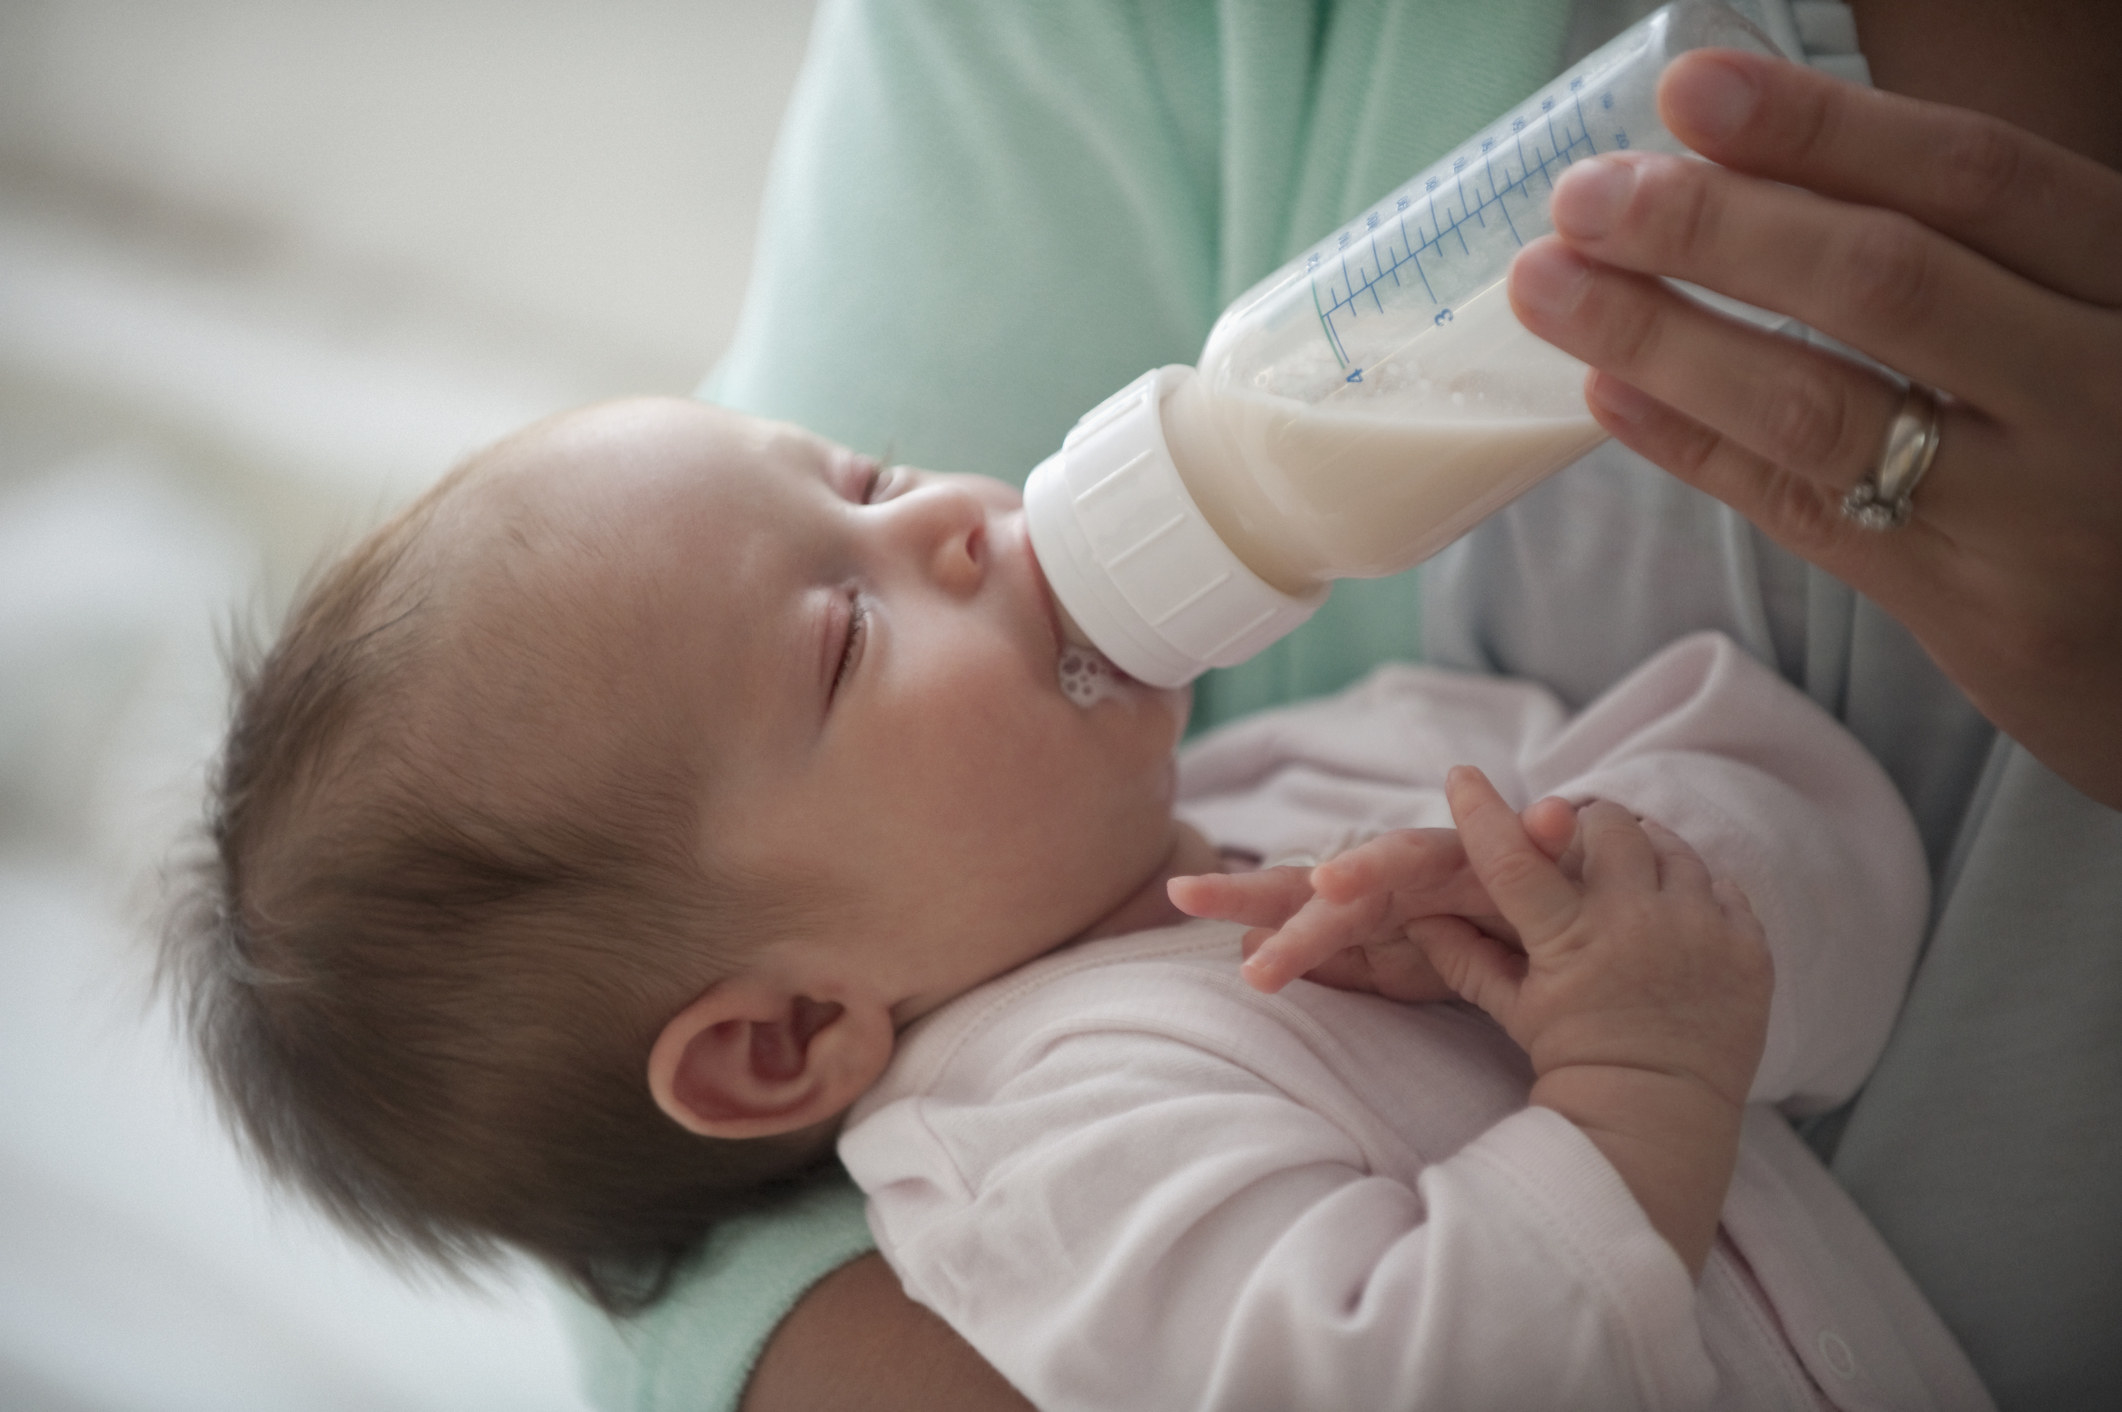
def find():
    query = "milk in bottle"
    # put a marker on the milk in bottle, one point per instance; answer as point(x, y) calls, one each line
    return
point(1357, 410)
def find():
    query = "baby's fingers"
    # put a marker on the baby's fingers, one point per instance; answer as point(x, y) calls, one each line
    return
point(1395, 967)
point(1267, 897)
point(1319, 931)
point(1680, 868)
point(1618, 852)
point(1738, 910)
point(1427, 868)
point(1479, 969)
point(1532, 893)
point(1410, 860)
point(1551, 823)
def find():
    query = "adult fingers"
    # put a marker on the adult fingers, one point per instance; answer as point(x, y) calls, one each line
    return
point(1802, 513)
point(2030, 205)
point(1875, 280)
point(1791, 404)
point(1524, 883)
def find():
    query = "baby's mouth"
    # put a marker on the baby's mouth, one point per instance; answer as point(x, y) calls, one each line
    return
point(1088, 676)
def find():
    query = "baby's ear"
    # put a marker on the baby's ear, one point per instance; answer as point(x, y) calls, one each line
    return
point(749, 1059)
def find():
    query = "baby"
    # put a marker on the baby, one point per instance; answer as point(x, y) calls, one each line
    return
point(593, 836)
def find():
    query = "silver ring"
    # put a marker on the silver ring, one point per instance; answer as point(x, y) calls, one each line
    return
point(1881, 501)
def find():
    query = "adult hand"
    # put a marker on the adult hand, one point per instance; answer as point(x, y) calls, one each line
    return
point(1958, 250)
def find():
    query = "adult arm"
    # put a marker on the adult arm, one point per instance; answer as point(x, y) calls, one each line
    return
point(1962, 251)
point(856, 1343)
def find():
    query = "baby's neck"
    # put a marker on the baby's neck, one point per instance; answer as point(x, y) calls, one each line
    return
point(1149, 905)
point(1146, 907)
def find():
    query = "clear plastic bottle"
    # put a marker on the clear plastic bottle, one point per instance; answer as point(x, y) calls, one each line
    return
point(1357, 410)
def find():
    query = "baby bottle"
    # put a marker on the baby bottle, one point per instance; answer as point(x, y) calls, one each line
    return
point(1358, 409)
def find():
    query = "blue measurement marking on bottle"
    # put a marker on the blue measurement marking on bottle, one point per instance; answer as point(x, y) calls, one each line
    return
point(1515, 167)
point(1400, 205)
point(1488, 165)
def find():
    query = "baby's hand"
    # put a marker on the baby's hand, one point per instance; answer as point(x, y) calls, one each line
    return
point(1640, 992)
point(1642, 962)
point(1359, 920)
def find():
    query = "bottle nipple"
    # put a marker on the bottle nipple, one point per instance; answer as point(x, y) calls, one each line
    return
point(1087, 677)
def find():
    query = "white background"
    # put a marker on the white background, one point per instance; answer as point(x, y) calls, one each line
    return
point(266, 267)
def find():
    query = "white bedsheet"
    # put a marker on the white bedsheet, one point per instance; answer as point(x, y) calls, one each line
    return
point(142, 1268)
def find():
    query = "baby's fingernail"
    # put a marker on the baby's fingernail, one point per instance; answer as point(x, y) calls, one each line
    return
point(1590, 197)
point(1549, 278)
point(1711, 97)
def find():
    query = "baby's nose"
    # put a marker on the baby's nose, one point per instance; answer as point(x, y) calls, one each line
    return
point(945, 524)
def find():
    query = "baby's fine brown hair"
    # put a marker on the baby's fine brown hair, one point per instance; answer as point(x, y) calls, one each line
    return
point(427, 1001)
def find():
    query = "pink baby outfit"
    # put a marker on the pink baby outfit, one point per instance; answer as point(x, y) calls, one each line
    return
point(1131, 1181)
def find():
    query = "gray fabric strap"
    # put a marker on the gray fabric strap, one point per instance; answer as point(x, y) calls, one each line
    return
point(1821, 33)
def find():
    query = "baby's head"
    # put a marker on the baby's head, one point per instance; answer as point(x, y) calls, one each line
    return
point(591, 828)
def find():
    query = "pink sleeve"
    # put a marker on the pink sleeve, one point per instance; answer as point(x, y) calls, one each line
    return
point(1777, 797)
point(1134, 1222)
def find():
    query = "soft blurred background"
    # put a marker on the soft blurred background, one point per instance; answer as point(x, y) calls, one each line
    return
point(266, 268)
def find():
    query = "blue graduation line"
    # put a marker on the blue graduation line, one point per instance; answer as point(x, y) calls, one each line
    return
point(1488, 165)
point(1562, 149)
point(1333, 338)
point(1459, 180)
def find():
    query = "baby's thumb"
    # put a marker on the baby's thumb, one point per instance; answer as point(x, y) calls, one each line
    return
point(1551, 824)
point(1480, 969)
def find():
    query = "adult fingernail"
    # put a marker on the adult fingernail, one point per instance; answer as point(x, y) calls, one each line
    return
point(1626, 402)
point(1548, 278)
point(1710, 97)
point(1590, 197)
